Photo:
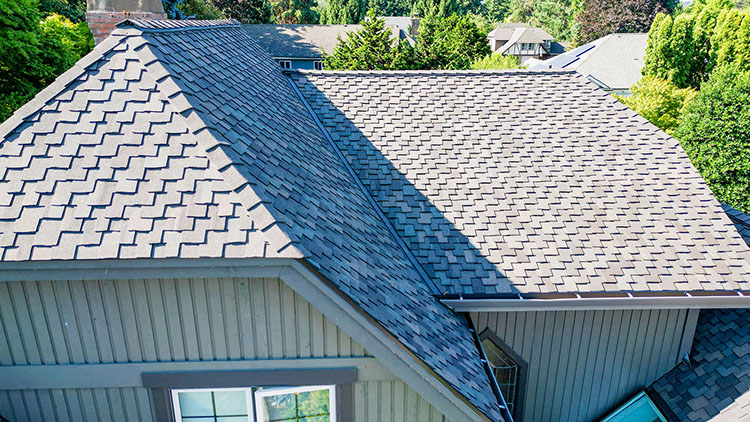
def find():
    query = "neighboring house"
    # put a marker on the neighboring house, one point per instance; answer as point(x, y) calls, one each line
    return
point(613, 62)
point(188, 232)
point(302, 46)
point(523, 41)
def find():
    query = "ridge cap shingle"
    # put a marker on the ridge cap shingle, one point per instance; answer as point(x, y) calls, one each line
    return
point(435, 72)
point(150, 25)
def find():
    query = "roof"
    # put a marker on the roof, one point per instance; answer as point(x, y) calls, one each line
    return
point(521, 32)
point(304, 41)
point(184, 139)
point(505, 182)
point(614, 60)
point(298, 41)
point(715, 386)
point(741, 221)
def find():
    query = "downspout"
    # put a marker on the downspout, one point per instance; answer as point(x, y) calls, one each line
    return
point(488, 369)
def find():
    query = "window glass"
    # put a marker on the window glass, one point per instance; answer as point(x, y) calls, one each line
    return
point(507, 372)
point(304, 404)
point(638, 409)
point(220, 405)
point(318, 65)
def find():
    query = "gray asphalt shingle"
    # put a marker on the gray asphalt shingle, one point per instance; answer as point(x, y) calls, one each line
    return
point(174, 140)
point(529, 181)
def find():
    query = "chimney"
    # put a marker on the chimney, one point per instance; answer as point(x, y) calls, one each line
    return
point(103, 15)
point(414, 30)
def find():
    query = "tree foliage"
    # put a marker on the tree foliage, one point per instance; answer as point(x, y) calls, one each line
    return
point(557, 17)
point(35, 52)
point(390, 7)
point(343, 12)
point(73, 10)
point(659, 101)
point(371, 48)
point(191, 9)
point(295, 11)
point(453, 42)
point(245, 11)
point(496, 61)
point(715, 132)
point(682, 49)
point(495, 10)
point(603, 17)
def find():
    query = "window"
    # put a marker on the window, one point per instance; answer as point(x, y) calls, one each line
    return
point(306, 404)
point(293, 404)
point(638, 409)
point(285, 64)
point(509, 369)
point(318, 65)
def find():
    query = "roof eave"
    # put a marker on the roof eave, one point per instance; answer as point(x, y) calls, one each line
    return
point(625, 301)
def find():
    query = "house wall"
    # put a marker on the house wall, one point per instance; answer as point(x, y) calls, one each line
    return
point(60, 323)
point(581, 364)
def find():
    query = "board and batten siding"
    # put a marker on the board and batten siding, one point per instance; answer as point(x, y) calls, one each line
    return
point(581, 364)
point(170, 320)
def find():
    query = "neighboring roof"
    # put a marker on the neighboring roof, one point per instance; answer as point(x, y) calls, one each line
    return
point(305, 41)
point(614, 60)
point(522, 32)
point(741, 221)
point(184, 139)
point(298, 41)
point(529, 181)
point(715, 386)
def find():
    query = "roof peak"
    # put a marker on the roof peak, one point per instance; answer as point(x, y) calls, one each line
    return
point(171, 25)
point(441, 72)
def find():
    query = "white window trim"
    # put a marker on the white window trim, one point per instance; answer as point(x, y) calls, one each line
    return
point(267, 392)
point(176, 400)
point(254, 396)
point(318, 65)
point(289, 62)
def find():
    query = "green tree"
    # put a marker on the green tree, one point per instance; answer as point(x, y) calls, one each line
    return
point(295, 11)
point(343, 12)
point(659, 101)
point(34, 53)
point(371, 48)
point(453, 42)
point(73, 10)
point(557, 17)
point(715, 132)
point(245, 11)
point(496, 61)
point(390, 7)
point(191, 9)
point(436, 8)
point(495, 10)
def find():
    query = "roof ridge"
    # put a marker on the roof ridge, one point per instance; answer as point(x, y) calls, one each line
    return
point(153, 25)
point(443, 72)
point(213, 146)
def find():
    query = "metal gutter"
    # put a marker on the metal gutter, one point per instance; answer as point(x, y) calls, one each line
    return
point(488, 369)
point(622, 301)
point(427, 280)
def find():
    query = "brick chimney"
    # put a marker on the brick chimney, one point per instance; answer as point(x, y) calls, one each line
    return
point(103, 15)
point(414, 30)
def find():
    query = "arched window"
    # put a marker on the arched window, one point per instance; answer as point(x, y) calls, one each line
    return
point(508, 367)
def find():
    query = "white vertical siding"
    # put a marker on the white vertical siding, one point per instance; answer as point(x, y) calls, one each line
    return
point(583, 363)
point(119, 321)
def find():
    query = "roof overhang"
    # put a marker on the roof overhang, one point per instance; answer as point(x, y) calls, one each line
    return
point(597, 301)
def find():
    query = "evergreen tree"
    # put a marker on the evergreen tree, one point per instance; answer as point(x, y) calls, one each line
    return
point(495, 10)
point(436, 8)
point(659, 101)
point(390, 7)
point(452, 42)
point(294, 11)
point(245, 11)
point(343, 12)
point(371, 48)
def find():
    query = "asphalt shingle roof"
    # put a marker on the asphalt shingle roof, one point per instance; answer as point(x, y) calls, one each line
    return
point(614, 60)
point(716, 385)
point(177, 141)
point(298, 41)
point(741, 221)
point(519, 181)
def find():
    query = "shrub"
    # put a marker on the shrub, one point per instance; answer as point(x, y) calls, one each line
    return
point(496, 61)
point(659, 101)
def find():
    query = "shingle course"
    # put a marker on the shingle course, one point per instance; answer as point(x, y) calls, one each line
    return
point(528, 182)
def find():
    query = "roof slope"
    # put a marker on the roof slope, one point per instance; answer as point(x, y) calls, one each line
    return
point(741, 221)
point(196, 132)
point(614, 60)
point(298, 41)
point(522, 181)
point(523, 32)
point(716, 384)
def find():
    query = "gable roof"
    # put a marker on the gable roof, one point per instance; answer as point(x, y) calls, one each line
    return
point(614, 60)
point(183, 139)
point(715, 386)
point(520, 32)
point(741, 221)
point(298, 41)
point(529, 182)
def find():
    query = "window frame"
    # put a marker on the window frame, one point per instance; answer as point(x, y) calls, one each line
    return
point(177, 412)
point(288, 62)
point(267, 392)
point(318, 64)
point(253, 397)
point(518, 405)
